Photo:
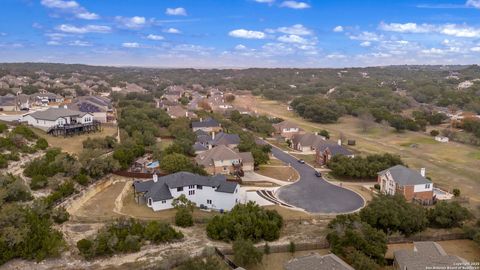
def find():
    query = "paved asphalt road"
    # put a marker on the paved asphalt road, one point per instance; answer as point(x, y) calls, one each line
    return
point(314, 194)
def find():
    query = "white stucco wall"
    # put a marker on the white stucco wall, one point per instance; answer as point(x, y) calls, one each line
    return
point(220, 200)
point(44, 123)
point(423, 188)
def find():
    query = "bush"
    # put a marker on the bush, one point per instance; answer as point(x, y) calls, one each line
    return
point(456, 192)
point(245, 253)
point(246, 221)
point(38, 182)
point(81, 179)
point(448, 215)
point(434, 133)
point(362, 167)
point(183, 218)
point(60, 215)
point(291, 247)
point(393, 213)
point(123, 236)
point(41, 144)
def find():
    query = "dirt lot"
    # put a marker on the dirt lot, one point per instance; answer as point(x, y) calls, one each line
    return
point(73, 145)
point(450, 165)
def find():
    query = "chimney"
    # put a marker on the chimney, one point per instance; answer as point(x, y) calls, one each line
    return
point(340, 142)
point(213, 135)
point(422, 172)
point(155, 178)
point(201, 119)
point(186, 114)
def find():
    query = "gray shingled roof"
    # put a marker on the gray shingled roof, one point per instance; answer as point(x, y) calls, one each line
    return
point(405, 176)
point(161, 189)
point(199, 147)
point(220, 152)
point(308, 139)
point(53, 114)
point(317, 262)
point(209, 122)
point(225, 139)
point(334, 148)
point(426, 254)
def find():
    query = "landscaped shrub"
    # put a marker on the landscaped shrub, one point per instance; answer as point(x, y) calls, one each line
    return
point(246, 221)
point(245, 253)
point(448, 215)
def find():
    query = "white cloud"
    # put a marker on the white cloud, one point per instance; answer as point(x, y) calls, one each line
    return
point(460, 31)
point(71, 7)
point(406, 27)
point(135, 22)
point(366, 36)
point(248, 34)
point(87, 16)
point(366, 44)
point(473, 3)
point(53, 43)
point(292, 39)
point(180, 11)
point(240, 47)
point(172, 31)
point(68, 28)
point(155, 37)
point(475, 49)
point(338, 28)
point(336, 56)
point(2, 34)
point(295, 5)
point(265, 1)
point(80, 43)
point(131, 45)
point(456, 30)
point(296, 29)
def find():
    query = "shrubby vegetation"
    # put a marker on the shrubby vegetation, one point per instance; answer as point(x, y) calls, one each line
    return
point(362, 167)
point(317, 109)
point(246, 221)
point(448, 215)
point(394, 214)
point(357, 242)
point(245, 253)
point(126, 235)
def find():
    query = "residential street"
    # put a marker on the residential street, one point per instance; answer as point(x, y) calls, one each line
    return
point(315, 194)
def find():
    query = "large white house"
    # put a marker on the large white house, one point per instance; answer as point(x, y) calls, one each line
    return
point(56, 117)
point(213, 192)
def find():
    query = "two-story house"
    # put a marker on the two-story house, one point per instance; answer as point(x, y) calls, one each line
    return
point(307, 142)
point(56, 117)
point(327, 149)
point(208, 125)
point(213, 192)
point(224, 160)
point(286, 129)
point(411, 184)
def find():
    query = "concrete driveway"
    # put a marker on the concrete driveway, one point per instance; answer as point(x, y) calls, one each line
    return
point(315, 194)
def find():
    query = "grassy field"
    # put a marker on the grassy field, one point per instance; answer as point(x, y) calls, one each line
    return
point(450, 165)
point(283, 173)
point(73, 145)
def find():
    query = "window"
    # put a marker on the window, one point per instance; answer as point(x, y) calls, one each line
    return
point(179, 189)
point(199, 187)
point(164, 201)
point(225, 169)
point(427, 185)
point(191, 186)
point(150, 201)
point(209, 201)
point(191, 192)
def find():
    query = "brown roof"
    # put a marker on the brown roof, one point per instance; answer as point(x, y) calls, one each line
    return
point(315, 261)
point(308, 139)
point(220, 152)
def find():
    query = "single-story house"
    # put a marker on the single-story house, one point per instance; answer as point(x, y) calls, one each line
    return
point(316, 261)
point(213, 192)
point(306, 142)
point(46, 99)
point(177, 111)
point(411, 184)
point(327, 149)
point(100, 107)
point(223, 160)
point(56, 117)
point(8, 103)
point(209, 141)
point(286, 129)
point(426, 255)
point(208, 125)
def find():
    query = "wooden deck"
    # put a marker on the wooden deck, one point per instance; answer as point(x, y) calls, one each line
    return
point(75, 129)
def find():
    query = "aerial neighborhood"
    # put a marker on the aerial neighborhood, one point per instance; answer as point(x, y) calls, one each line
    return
point(234, 176)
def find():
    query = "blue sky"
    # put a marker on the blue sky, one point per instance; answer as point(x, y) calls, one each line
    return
point(241, 33)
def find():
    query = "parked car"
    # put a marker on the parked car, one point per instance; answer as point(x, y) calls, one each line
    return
point(318, 174)
point(301, 161)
